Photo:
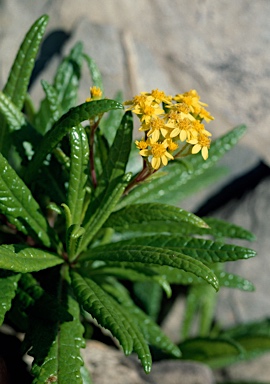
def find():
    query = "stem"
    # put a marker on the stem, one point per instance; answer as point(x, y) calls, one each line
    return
point(142, 176)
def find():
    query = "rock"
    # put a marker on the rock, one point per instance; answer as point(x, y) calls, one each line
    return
point(251, 211)
point(257, 370)
point(180, 372)
point(110, 366)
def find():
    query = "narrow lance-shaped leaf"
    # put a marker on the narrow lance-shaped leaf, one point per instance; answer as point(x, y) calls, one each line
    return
point(63, 362)
point(149, 328)
point(78, 172)
point(206, 251)
point(21, 70)
point(150, 256)
point(24, 259)
point(8, 287)
point(71, 119)
point(142, 213)
point(139, 339)
point(98, 304)
point(67, 77)
point(225, 279)
point(120, 150)
point(19, 206)
point(93, 222)
point(51, 111)
point(16, 86)
point(180, 172)
point(94, 72)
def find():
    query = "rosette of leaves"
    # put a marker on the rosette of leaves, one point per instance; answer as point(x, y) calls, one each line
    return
point(69, 246)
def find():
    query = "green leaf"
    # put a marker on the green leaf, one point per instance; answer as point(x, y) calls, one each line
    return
point(166, 188)
point(146, 255)
point(74, 236)
point(19, 258)
point(151, 331)
point(230, 280)
point(66, 82)
point(8, 287)
point(19, 206)
point(94, 72)
point(143, 213)
point(56, 346)
point(119, 151)
point(254, 328)
point(71, 119)
point(11, 114)
point(221, 228)
point(79, 171)
point(102, 308)
point(214, 352)
point(139, 274)
point(50, 110)
point(207, 251)
point(98, 212)
point(17, 84)
point(149, 295)
point(109, 125)
point(200, 306)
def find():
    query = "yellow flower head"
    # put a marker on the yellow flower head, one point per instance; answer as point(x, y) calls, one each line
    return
point(166, 129)
point(201, 143)
point(95, 94)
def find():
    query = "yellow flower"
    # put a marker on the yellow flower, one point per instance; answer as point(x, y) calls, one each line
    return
point(147, 110)
point(95, 94)
point(155, 128)
point(200, 143)
point(199, 128)
point(172, 146)
point(160, 155)
point(183, 129)
point(141, 144)
point(204, 114)
point(161, 97)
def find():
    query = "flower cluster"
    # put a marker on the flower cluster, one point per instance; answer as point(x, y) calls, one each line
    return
point(168, 122)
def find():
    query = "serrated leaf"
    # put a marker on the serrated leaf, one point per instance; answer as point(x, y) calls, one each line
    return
point(97, 214)
point(11, 114)
point(207, 251)
point(19, 258)
point(66, 81)
point(71, 119)
point(109, 125)
point(148, 256)
point(102, 308)
point(21, 70)
point(94, 72)
point(179, 173)
point(143, 213)
point(119, 151)
point(138, 274)
point(201, 302)
point(79, 171)
point(19, 206)
point(221, 228)
point(50, 109)
point(133, 328)
point(148, 327)
point(217, 228)
point(56, 346)
point(19, 76)
point(230, 280)
point(214, 352)
point(8, 287)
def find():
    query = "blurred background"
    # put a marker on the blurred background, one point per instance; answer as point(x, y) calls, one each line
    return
point(221, 49)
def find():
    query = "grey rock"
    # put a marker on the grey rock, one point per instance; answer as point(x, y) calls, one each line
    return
point(180, 372)
point(251, 212)
point(109, 366)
